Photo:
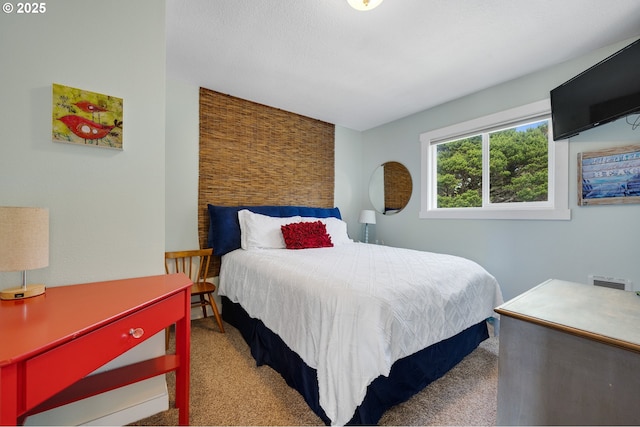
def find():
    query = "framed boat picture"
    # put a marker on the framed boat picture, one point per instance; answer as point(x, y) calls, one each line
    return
point(86, 118)
point(609, 176)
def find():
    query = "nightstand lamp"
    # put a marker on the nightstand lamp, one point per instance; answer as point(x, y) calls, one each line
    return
point(24, 245)
point(367, 217)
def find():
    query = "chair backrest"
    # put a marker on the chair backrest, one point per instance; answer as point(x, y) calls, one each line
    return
point(193, 263)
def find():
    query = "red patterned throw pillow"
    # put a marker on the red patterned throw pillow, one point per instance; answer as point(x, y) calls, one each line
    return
point(303, 235)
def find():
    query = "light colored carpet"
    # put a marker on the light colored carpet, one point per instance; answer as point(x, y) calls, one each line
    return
point(228, 389)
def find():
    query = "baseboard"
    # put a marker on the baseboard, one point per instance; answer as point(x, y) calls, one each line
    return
point(140, 411)
point(118, 407)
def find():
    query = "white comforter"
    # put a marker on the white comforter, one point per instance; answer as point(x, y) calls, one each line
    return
point(351, 311)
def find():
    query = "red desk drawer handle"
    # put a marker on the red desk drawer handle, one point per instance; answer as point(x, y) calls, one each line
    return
point(136, 333)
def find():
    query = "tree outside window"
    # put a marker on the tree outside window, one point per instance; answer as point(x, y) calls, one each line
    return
point(518, 162)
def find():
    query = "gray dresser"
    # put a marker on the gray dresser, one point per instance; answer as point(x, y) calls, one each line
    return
point(569, 355)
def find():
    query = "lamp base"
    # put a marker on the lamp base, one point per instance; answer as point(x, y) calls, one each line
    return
point(22, 293)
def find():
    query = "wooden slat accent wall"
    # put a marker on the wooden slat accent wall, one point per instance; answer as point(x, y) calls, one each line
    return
point(252, 154)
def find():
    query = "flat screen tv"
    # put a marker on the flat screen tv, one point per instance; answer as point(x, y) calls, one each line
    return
point(605, 92)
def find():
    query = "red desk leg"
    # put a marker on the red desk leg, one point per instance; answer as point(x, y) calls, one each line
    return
point(183, 351)
point(9, 395)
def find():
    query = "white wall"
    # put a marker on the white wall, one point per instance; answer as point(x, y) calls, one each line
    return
point(182, 166)
point(348, 185)
point(597, 240)
point(107, 217)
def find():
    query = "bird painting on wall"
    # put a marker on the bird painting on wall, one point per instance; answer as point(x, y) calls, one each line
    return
point(89, 107)
point(87, 129)
point(88, 118)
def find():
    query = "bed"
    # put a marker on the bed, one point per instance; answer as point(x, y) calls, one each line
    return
point(355, 328)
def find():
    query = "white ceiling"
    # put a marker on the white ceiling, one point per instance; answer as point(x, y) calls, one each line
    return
point(323, 59)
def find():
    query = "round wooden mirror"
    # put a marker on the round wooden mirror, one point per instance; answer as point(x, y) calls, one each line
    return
point(390, 188)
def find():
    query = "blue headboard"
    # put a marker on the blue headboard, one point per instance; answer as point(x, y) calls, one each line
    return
point(224, 228)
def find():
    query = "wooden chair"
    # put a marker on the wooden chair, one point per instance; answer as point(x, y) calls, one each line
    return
point(195, 264)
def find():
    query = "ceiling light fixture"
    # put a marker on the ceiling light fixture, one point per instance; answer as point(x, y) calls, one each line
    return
point(364, 4)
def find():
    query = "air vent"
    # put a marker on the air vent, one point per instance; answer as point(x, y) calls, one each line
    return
point(611, 282)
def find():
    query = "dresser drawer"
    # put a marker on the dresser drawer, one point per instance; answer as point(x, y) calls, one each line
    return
point(56, 369)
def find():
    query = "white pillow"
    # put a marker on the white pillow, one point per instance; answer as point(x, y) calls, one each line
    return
point(336, 228)
point(261, 231)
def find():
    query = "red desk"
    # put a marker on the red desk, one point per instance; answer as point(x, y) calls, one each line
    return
point(50, 343)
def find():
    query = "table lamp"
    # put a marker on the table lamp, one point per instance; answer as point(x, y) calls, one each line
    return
point(24, 245)
point(367, 217)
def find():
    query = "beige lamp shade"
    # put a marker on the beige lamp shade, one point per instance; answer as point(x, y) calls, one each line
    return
point(24, 238)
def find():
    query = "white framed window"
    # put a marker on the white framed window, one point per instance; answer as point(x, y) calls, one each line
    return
point(501, 166)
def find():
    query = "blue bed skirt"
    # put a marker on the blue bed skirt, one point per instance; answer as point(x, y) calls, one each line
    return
point(408, 375)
